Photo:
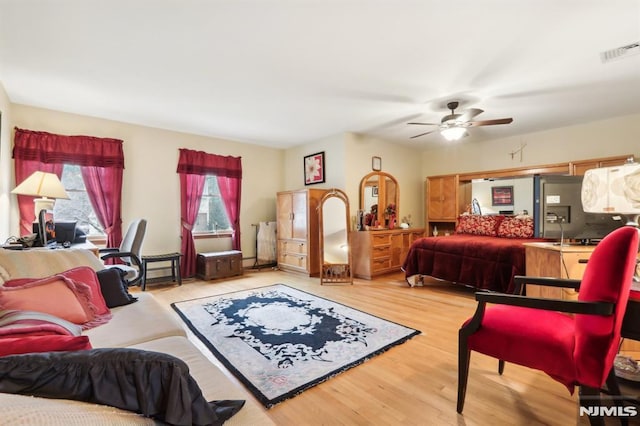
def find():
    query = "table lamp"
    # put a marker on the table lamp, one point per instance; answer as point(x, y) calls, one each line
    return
point(46, 186)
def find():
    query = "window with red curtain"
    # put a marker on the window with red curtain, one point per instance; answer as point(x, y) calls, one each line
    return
point(101, 161)
point(193, 167)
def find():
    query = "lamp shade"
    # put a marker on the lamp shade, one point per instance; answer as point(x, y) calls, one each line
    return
point(44, 185)
point(612, 190)
point(41, 184)
point(453, 133)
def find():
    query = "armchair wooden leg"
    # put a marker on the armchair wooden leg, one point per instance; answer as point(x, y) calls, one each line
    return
point(464, 356)
point(590, 397)
point(500, 366)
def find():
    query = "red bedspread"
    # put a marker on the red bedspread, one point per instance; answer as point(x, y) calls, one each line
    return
point(488, 263)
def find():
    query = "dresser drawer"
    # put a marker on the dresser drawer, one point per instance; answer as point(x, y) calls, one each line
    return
point(380, 264)
point(381, 251)
point(380, 239)
point(289, 246)
point(294, 260)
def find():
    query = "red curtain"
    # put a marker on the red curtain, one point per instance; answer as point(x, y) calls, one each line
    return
point(104, 188)
point(101, 161)
point(191, 187)
point(59, 149)
point(230, 189)
point(229, 174)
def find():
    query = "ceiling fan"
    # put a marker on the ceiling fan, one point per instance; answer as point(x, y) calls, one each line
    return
point(453, 126)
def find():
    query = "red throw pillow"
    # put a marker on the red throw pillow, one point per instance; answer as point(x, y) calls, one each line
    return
point(515, 227)
point(478, 225)
point(56, 295)
point(87, 275)
point(46, 343)
point(81, 274)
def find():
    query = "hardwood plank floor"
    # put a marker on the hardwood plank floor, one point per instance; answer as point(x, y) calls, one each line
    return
point(411, 384)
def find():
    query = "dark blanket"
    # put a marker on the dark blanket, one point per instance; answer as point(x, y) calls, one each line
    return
point(488, 263)
point(153, 384)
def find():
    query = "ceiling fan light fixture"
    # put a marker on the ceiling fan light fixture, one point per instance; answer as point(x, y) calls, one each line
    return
point(453, 133)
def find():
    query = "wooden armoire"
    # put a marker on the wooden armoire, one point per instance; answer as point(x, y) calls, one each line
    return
point(298, 232)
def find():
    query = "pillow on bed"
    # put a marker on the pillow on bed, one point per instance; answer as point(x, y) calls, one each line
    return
point(516, 227)
point(478, 225)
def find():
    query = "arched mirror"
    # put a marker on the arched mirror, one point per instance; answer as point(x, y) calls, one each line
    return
point(379, 200)
point(335, 243)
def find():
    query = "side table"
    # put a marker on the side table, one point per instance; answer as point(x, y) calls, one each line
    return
point(174, 258)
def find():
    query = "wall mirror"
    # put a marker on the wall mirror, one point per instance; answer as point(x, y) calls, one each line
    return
point(335, 243)
point(380, 199)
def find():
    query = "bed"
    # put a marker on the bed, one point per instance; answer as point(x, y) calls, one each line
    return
point(485, 252)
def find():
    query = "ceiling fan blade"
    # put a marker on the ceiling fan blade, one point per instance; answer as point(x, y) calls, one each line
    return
point(469, 114)
point(490, 122)
point(421, 134)
point(425, 124)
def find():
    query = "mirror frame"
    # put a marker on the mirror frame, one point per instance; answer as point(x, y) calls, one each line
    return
point(382, 192)
point(335, 272)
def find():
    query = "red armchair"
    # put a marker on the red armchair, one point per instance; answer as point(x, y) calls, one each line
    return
point(538, 333)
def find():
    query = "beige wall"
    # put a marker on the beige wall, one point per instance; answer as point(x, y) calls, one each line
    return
point(348, 159)
point(6, 179)
point(400, 161)
point(604, 138)
point(151, 185)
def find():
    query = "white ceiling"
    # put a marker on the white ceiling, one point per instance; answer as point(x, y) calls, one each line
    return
point(288, 72)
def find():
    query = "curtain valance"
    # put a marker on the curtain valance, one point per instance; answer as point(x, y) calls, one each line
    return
point(201, 163)
point(81, 150)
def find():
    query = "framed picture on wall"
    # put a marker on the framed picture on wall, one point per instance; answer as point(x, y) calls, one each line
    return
point(502, 195)
point(314, 168)
point(376, 164)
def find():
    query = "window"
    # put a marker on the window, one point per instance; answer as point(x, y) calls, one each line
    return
point(78, 208)
point(212, 216)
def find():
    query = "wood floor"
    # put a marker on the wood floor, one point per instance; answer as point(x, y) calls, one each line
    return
point(411, 384)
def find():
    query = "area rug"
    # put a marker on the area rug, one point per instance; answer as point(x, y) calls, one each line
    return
point(280, 341)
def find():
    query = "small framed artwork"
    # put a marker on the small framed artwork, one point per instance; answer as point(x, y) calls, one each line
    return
point(314, 168)
point(502, 195)
point(374, 191)
point(376, 163)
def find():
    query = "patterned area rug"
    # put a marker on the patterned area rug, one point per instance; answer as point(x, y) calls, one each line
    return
point(280, 341)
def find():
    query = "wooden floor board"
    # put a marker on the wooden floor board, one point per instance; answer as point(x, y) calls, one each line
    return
point(411, 384)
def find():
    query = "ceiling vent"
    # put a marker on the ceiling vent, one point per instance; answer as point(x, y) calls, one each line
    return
point(620, 52)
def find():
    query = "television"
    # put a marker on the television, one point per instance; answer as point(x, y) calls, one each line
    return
point(46, 228)
point(558, 211)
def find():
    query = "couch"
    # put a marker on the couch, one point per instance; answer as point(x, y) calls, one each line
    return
point(145, 325)
point(485, 252)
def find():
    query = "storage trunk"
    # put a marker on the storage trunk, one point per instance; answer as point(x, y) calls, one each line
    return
point(219, 264)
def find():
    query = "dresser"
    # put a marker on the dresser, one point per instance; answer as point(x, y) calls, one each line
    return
point(297, 236)
point(381, 251)
point(553, 260)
